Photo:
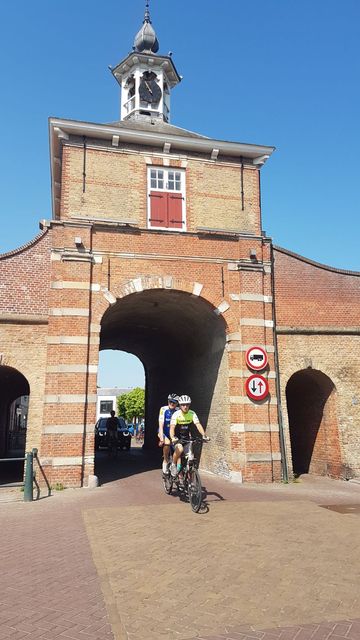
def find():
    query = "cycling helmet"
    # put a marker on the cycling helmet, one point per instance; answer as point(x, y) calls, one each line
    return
point(173, 397)
point(184, 400)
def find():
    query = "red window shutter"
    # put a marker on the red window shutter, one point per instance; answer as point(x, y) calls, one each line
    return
point(158, 209)
point(175, 210)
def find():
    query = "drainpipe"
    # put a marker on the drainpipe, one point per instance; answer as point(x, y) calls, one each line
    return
point(86, 403)
point(242, 184)
point(284, 464)
point(84, 164)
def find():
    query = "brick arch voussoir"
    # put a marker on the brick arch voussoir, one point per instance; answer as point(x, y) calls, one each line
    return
point(100, 306)
point(231, 321)
point(151, 282)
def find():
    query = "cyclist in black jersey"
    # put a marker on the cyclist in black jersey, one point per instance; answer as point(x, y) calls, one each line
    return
point(184, 425)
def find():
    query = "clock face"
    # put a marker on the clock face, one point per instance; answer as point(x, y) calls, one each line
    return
point(149, 89)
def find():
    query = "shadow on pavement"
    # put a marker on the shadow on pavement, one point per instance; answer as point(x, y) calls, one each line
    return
point(208, 497)
point(212, 496)
point(125, 463)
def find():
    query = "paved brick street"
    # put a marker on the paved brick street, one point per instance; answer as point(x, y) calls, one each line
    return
point(259, 562)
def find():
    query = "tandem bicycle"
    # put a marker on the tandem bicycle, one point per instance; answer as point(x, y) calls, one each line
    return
point(187, 481)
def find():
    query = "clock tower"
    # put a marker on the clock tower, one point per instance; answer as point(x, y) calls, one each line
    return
point(145, 77)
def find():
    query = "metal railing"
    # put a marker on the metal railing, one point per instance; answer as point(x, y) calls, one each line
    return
point(30, 476)
point(129, 105)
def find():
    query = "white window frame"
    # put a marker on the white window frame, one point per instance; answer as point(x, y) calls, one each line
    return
point(182, 190)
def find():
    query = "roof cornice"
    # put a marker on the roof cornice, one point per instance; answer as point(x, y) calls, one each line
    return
point(134, 58)
point(135, 136)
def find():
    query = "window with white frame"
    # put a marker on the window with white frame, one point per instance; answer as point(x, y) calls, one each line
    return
point(106, 406)
point(166, 198)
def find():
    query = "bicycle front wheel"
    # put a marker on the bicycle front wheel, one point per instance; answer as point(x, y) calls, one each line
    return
point(195, 490)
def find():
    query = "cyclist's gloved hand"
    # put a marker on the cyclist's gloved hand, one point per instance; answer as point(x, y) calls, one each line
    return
point(174, 440)
point(206, 438)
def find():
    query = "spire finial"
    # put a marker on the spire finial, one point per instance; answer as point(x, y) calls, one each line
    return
point(147, 12)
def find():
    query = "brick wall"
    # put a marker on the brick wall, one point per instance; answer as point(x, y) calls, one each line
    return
point(121, 274)
point(24, 278)
point(318, 310)
point(312, 295)
point(24, 291)
point(217, 302)
point(116, 187)
point(60, 311)
point(23, 347)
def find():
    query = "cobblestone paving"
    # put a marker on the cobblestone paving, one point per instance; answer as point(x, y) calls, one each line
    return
point(49, 587)
point(344, 630)
point(262, 562)
point(267, 564)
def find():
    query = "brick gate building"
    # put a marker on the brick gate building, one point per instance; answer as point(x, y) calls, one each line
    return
point(156, 247)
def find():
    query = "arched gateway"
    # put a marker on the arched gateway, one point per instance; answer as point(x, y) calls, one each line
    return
point(156, 246)
point(180, 340)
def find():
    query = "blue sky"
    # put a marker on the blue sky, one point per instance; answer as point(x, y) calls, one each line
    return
point(287, 73)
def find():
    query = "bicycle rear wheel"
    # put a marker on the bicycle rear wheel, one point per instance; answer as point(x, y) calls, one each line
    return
point(168, 483)
point(195, 490)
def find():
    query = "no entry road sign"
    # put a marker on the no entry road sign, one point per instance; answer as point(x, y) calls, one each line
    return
point(257, 387)
point(256, 358)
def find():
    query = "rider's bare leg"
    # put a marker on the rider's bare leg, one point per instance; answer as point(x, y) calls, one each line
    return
point(166, 454)
point(176, 464)
point(166, 450)
point(177, 453)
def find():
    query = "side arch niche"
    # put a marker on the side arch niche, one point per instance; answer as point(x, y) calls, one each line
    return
point(14, 403)
point(180, 339)
point(313, 424)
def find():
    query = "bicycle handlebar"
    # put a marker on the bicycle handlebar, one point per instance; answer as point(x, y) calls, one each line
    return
point(185, 440)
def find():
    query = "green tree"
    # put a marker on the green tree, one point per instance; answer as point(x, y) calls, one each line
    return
point(135, 404)
point(121, 405)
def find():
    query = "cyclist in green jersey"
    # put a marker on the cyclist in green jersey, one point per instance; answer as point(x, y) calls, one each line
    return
point(184, 425)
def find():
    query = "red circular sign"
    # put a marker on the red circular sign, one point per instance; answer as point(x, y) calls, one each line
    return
point(257, 387)
point(256, 358)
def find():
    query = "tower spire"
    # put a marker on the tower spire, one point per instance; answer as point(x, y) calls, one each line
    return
point(146, 40)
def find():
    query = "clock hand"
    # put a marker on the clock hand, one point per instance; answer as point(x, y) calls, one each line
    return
point(147, 84)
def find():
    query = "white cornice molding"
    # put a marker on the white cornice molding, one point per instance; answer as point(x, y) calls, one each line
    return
point(61, 134)
point(135, 136)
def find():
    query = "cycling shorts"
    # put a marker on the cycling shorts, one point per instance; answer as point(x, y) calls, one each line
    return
point(166, 432)
point(185, 446)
